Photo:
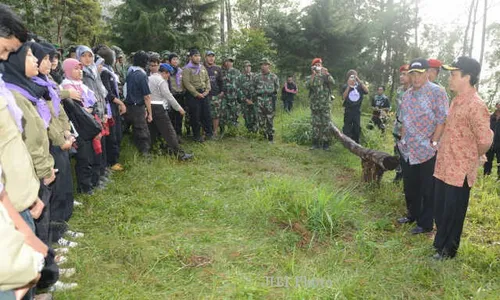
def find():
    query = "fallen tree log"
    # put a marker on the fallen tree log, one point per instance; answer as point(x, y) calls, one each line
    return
point(373, 162)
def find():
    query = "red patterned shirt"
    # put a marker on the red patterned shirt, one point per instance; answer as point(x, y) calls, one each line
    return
point(467, 128)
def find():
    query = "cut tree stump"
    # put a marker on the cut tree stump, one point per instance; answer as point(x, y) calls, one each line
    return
point(373, 162)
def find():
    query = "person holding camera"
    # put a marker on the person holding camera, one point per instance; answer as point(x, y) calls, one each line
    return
point(320, 85)
point(352, 96)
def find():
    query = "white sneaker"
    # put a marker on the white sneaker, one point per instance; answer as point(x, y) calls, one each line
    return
point(66, 273)
point(65, 243)
point(74, 234)
point(62, 250)
point(60, 259)
point(61, 286)
point(77, 203)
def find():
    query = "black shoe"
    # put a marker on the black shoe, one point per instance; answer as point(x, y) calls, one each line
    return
point(198, 140)
point(326, 146)
point(186, 156)
point(419, 230)
point(405, 220)
point(270, 137)
point(441, 256)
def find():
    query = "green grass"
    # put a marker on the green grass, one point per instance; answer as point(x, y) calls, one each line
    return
point(244, 210)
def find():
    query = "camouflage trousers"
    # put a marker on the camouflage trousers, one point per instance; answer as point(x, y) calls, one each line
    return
point(230, 110)
point(265, 114)
point(215, 107)
point(320, 121)
point(250, 115)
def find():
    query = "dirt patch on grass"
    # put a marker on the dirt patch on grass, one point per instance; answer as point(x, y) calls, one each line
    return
point(298, 228)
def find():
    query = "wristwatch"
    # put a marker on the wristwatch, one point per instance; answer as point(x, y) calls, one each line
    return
point(434, 143)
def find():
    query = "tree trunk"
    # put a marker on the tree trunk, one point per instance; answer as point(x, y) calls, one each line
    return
point(473, 29)
point(60, 21)
point(260, 13)
point(374, 162)
point(229, 21)
point(483, 38)
point(222, 22)
point(464, 47)
point(416, 24)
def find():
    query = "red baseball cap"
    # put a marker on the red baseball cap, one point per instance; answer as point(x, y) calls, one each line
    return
point(316, 60)
point(404, 68)
point(434, 63)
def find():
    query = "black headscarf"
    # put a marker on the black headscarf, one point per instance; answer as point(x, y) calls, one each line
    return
point(40, 51)
point(14, 71)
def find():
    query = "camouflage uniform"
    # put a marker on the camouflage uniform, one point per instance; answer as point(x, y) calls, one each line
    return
point(230, 102)
point(320, 91)
point(265, 88)
point(249, 110)
point(397, 130)
point(215, 74)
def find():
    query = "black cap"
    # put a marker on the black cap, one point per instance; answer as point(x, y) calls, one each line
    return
point(465, 64)
point(418, 65)
point(193, 52)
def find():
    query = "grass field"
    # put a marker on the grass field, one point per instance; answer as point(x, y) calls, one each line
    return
point(246, 215)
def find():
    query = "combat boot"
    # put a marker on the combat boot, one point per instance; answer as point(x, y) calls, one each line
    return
point(326, 146)
point(315, 145)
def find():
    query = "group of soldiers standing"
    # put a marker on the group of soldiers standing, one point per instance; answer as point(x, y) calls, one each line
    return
point(215, 96)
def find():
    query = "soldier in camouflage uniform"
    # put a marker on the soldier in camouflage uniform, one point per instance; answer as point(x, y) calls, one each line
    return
point(404, 80)
point(231, 89)
point(265, 87)
point(248, 105)
point(320, 85)
point(216, 93)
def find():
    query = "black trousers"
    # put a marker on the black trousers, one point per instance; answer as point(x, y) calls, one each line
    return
point(175, 117)
point(450, 210)
point(113, 140)
point(162, 126)
point(418, 184)
point(488, 165)
point(288, 102)
point(136, 116)
point(352, 123)
point(42, 224)
point(83, 167)
point(199, 110)
point(61, 202)
point(399, 170)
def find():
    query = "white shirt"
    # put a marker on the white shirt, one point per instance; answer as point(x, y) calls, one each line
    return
point(160, 92)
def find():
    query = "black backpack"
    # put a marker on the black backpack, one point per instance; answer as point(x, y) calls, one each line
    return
point(85, 123)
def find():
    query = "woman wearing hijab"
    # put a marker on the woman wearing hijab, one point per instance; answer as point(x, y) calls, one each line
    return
point(118, 108)
point(18, 71)
point(60, 208)
point(92, 80)
point(84, 156)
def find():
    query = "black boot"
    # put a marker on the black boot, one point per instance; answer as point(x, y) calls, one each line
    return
point(326, 146)
point(315, 145)
point(270, 138)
